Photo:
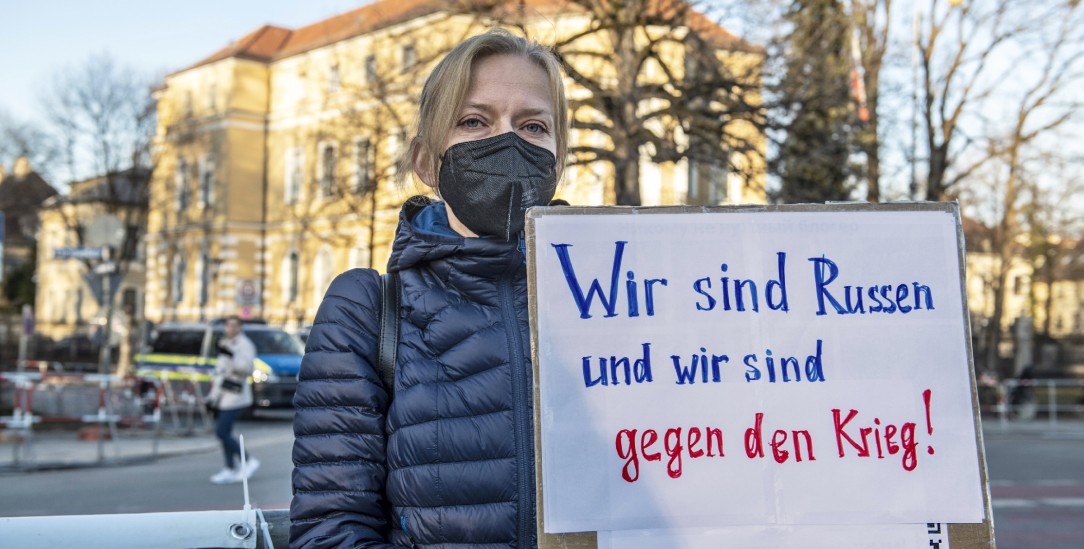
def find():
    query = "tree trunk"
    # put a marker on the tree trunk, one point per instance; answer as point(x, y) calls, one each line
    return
point(935, 178)
point(627, 182)
point(993, 332)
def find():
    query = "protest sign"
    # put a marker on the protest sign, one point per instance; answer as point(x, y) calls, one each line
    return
point(783, 365)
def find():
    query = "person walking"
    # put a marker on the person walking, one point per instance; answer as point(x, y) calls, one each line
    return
point(444, 457)
point(230, 396)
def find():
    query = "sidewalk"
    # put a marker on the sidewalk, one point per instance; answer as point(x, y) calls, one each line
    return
point(1064, 427)
point(63, 449)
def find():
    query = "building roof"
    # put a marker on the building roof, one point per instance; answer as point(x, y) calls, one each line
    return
point(21, 196)
point(269, 42)
point(125, 188)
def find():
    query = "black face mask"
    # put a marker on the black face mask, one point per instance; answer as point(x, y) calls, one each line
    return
point(490, 183)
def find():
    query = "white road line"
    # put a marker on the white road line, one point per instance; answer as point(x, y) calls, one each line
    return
point(1014, 503)
point(1063, 502)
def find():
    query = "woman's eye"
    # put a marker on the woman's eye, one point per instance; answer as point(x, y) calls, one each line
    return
point(472, 123)
point(535, 127)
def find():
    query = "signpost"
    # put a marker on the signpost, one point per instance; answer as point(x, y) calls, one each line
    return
point(757, 373)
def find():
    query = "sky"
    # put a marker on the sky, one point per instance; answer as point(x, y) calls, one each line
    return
point(43, 37)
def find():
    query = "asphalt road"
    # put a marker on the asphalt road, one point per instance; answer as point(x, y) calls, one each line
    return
point(176, 483)
point(1037, 483)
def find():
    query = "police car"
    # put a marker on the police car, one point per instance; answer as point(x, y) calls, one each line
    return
point(185, 352)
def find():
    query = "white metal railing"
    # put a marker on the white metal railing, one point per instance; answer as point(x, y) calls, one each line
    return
point(102, 400)
point(1026, 399)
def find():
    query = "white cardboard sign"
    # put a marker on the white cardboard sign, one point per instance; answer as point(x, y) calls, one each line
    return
point(752, 368)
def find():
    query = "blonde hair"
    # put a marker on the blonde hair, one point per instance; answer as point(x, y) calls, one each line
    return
point(446, 88)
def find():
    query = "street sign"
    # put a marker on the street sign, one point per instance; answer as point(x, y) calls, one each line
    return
point(248, 292)
point(105, 230)
point(78, 253)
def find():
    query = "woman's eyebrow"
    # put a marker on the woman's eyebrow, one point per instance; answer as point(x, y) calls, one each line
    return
point(535, 112)
point(484, 107)
point(488, 109)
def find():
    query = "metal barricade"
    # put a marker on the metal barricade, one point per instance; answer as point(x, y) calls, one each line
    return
point(104, 402)
point(1028, 399)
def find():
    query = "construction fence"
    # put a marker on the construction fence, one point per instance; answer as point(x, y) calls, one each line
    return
point(98, 406)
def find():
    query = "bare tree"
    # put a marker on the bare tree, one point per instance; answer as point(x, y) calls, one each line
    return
point(872, 25)
point(20, 138)
point(961, 50)
point(661, 79)
point(1042, 98)
point(102, 114)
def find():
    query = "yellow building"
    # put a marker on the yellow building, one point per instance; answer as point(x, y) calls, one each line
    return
point(276, 157)
point(1039, 299)
point(69, 292)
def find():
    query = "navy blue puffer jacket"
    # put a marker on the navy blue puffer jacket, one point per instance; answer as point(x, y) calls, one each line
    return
point(449, 461)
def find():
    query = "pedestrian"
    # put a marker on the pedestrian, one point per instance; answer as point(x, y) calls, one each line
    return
point(445, 456)
point(230, 396)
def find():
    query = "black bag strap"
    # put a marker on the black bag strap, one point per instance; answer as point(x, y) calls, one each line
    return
point(390, 287)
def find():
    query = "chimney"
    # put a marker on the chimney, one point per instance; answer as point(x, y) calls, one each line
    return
point(22, 167)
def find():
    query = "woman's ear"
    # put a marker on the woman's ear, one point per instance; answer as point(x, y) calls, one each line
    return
point(422, 165)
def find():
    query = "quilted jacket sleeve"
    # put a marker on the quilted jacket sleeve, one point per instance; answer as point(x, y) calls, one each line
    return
point(340, 461)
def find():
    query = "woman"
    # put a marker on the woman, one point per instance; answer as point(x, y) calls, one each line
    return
point(446, 458)
point(230, 396)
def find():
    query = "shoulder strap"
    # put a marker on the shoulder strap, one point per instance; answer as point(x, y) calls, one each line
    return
point(390, 287)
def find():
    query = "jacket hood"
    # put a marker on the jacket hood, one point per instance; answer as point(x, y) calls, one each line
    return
point(425, 237)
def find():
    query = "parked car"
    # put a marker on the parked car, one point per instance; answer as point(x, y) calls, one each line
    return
point(303, 334)
point(188, 351)
point(76, 348)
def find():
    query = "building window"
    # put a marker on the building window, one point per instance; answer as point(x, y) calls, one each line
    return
point(370, 69)
point(177, 283)
point(206, 180)
point(321, 274)
point(326, 169)
point(359, 255)
point(212, 91)
point(1017, 285)
point(396, 148)
point(204, 279)
point(410, 56)
point(707, 182)
point(187, 103)
point(289, 278)
point(334, 79)
point(364, 164)
point(128, 301)
point(295, 161)
point(181, 181)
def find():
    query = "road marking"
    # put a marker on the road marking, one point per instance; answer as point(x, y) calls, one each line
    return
point(1014, 503)
point(1047, 482)
point(1063, 502)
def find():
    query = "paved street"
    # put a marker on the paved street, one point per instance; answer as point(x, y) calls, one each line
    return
point(175, 483)
point(1037, 482)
